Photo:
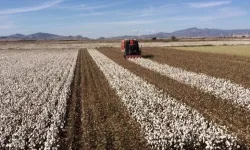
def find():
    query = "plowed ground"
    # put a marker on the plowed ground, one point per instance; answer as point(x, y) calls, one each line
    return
point(96, 118)
point(221, 111)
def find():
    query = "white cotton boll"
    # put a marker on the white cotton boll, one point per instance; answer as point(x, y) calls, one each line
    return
point(228, 143)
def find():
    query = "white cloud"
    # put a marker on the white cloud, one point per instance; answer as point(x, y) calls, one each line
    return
point(153, 11)
point(86, 7)
point(6, 26)
point(131, 22)
point(6, 23)
point(93, 14)
point(150, 31)
point(30, 9)
point(223, 13)
point(92, 7)
point(112, 24)
point(230, 12)
point(208, 4)
point(136, 31)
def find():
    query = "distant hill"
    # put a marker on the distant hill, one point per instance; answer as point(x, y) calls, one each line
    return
point(42, 36)
point(47, 36)
point(190, 32)
point(196, 32)
point(17, 36)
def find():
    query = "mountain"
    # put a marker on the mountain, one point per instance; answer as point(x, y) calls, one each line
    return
point(190, 32)
point(17, 35)
point(42, 36)
point(196, 32)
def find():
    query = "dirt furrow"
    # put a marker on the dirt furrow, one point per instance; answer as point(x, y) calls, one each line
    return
point(102, 122)
point(77, 142)
point(234, 68)
point(221, 111)
point(73, 113)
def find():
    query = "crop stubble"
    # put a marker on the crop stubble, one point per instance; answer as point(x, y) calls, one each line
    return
point(96, 117)
point(221, 111)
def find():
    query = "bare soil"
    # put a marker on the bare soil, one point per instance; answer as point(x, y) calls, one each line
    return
point(215, 109)
point(96, 117)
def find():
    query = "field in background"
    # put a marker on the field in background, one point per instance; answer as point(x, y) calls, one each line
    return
point(242, 50)
point(99, 43)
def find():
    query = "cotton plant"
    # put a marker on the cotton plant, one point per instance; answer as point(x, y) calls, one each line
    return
point(34, 91)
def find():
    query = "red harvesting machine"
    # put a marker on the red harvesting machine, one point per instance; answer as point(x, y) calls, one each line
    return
point(131, 48)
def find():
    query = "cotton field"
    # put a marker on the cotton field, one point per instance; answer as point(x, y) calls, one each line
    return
point(87, 96)
point(33, 93)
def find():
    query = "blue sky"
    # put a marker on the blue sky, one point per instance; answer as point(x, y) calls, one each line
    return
point(107, 18)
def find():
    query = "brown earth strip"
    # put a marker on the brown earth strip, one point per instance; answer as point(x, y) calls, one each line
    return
point(72, 112)
point(234, 68)
point(221, 111)
point(102, 122)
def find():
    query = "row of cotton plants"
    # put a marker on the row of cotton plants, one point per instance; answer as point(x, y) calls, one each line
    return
point(167, 123)
point(34, 88)
point(221, 88)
